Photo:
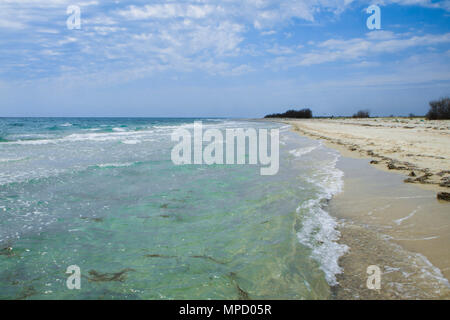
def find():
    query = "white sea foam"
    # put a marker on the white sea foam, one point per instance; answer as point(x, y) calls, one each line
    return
point(285, 128)
point(115, 165)
point(318, 230)
point(81, 137)
point(302, 151)
point(399, 221)
point(3, 160)
point(32, 142)
point(118, 134)
point(22, 176)
point(320, 235)
point(423, 278)
point(130, 141)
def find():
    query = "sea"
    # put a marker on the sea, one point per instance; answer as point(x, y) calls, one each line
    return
point(103, 195)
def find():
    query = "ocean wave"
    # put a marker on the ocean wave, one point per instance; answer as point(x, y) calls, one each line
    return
point(131, 141)
point(31, 142)
point(115, 165)
point(4, 160)
point(319, 230)
point(29, 175)
point(83, 137)
point(60, 126)
point(48, 173)
point(118, 133)
point(319, 233)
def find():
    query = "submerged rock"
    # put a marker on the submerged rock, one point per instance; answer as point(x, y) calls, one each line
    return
point(7, 251)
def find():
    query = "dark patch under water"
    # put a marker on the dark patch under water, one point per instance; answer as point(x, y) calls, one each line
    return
point(120, 276)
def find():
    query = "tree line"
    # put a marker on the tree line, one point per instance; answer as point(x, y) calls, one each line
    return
point(439, 110)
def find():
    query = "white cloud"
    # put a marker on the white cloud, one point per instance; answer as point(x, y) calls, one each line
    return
point(259, 13)
point(168, 11)
point(443, 4)
point(186, 35)
point(9, 24)
point(280, 50)
point(352, 50)
point(268, 33)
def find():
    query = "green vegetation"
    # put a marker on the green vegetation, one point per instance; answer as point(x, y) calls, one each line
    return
point(298, 114)
point(362, 114)
point(439, 109)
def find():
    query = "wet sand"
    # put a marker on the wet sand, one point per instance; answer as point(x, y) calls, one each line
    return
point(398, 227)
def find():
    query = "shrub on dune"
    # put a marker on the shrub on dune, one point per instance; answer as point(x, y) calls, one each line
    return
point(439, 109)
point(298, 114)
point(362, 114)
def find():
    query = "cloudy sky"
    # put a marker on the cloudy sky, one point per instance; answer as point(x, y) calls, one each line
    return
point(229, 58)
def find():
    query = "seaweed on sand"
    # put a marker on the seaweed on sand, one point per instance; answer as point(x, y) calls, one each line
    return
point(27, 292)
point(120, 276)
point(195, 257)
point(92, 219)
point(208, 258)
point(242, 294)
point(159, 256)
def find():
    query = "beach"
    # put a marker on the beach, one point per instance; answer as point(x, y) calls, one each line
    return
point(397, 226)
point(415, 147)
point(103, 194)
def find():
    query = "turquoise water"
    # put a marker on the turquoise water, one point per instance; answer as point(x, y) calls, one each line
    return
point(104, 195)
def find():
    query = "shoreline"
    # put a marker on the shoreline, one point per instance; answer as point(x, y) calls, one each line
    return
point(398, 227)
point(386, 222)
point(406, 147)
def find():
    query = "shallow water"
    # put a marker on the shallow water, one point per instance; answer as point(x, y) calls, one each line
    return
point(103, 194)
point(399, 227)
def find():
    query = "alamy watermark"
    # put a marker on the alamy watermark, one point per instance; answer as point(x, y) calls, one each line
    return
point(191, 150)
point(374, 21)
point(74, 19)
point(74, 280)
point(374, 279)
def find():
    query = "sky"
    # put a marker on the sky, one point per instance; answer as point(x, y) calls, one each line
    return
point(229, 58)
